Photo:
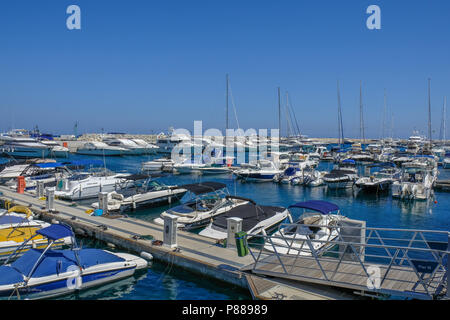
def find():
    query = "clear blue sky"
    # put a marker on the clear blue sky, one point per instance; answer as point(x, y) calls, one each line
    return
point(142, 66)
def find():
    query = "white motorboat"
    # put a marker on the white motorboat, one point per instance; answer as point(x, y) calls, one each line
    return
point(187, 166)
point(312, 233)
point(416, 183)
point(262, 171)
point(87, 185)
point(45, 273)
point(56, 151)
point(131, 147)
point(210, 199)
point(23, 147)
point(381, 180)
point(97, 148)
point(148, 194)
point(157, 165)
point(446, 161)
point(148, 147)
point(343, 176)
point(255, 219)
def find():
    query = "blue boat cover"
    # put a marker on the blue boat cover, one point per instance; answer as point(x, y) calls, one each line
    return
point(7, 219)
point(291, 171)
point(323, 207)
point(57, 261)
point(56, 231)
point(349, 161)
point(9, 275)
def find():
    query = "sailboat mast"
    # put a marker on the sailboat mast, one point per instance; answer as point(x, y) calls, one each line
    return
point(361, 116)
point(444, 117)
point(384, 116)
point(340, 129)
point(279, 112)
point(226, 111)
point(429, 112)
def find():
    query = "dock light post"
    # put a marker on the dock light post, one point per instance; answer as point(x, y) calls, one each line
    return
point(40, 189)
point(234, 225)
point(170, 231)
point(49, 203)
point(103, 201)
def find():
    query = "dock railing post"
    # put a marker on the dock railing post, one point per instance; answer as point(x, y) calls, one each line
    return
point(40, 189)
point(49, 204)
point(170, 231)
point(234, 225)
point(103, 201)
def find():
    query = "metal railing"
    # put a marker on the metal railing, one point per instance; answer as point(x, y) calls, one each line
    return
point(411, 262)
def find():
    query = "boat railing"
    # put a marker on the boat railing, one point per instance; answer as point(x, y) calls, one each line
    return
point(405, 258)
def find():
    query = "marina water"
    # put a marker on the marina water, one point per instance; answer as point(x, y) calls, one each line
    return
point(165, 281)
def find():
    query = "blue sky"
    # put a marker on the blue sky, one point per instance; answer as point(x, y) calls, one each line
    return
point(142, 66)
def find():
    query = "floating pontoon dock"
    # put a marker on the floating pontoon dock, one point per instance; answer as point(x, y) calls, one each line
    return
point(265, 274)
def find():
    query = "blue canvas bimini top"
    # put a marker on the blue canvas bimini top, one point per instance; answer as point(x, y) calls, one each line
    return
point(323, 207)
point(56, 231)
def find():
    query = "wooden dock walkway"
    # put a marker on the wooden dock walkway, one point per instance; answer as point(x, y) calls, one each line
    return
point(198, 254)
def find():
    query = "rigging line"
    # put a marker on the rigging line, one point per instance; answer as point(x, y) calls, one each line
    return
point(234, 106)
point(295, 118)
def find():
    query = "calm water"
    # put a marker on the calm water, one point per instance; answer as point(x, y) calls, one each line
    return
point(162, 281)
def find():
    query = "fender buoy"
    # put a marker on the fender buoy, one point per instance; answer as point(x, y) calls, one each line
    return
point(21, 209)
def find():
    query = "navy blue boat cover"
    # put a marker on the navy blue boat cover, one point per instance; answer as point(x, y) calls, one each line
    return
point(57, 261)
point(323, 207)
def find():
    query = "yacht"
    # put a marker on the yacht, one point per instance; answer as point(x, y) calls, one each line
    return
point(342, 176)
point(312, 233)
point(262, 171)
point(45, 273)
point(255, 219)
point(23, 147)
point(97, 148)
point(208, 200)
point(87, 185)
